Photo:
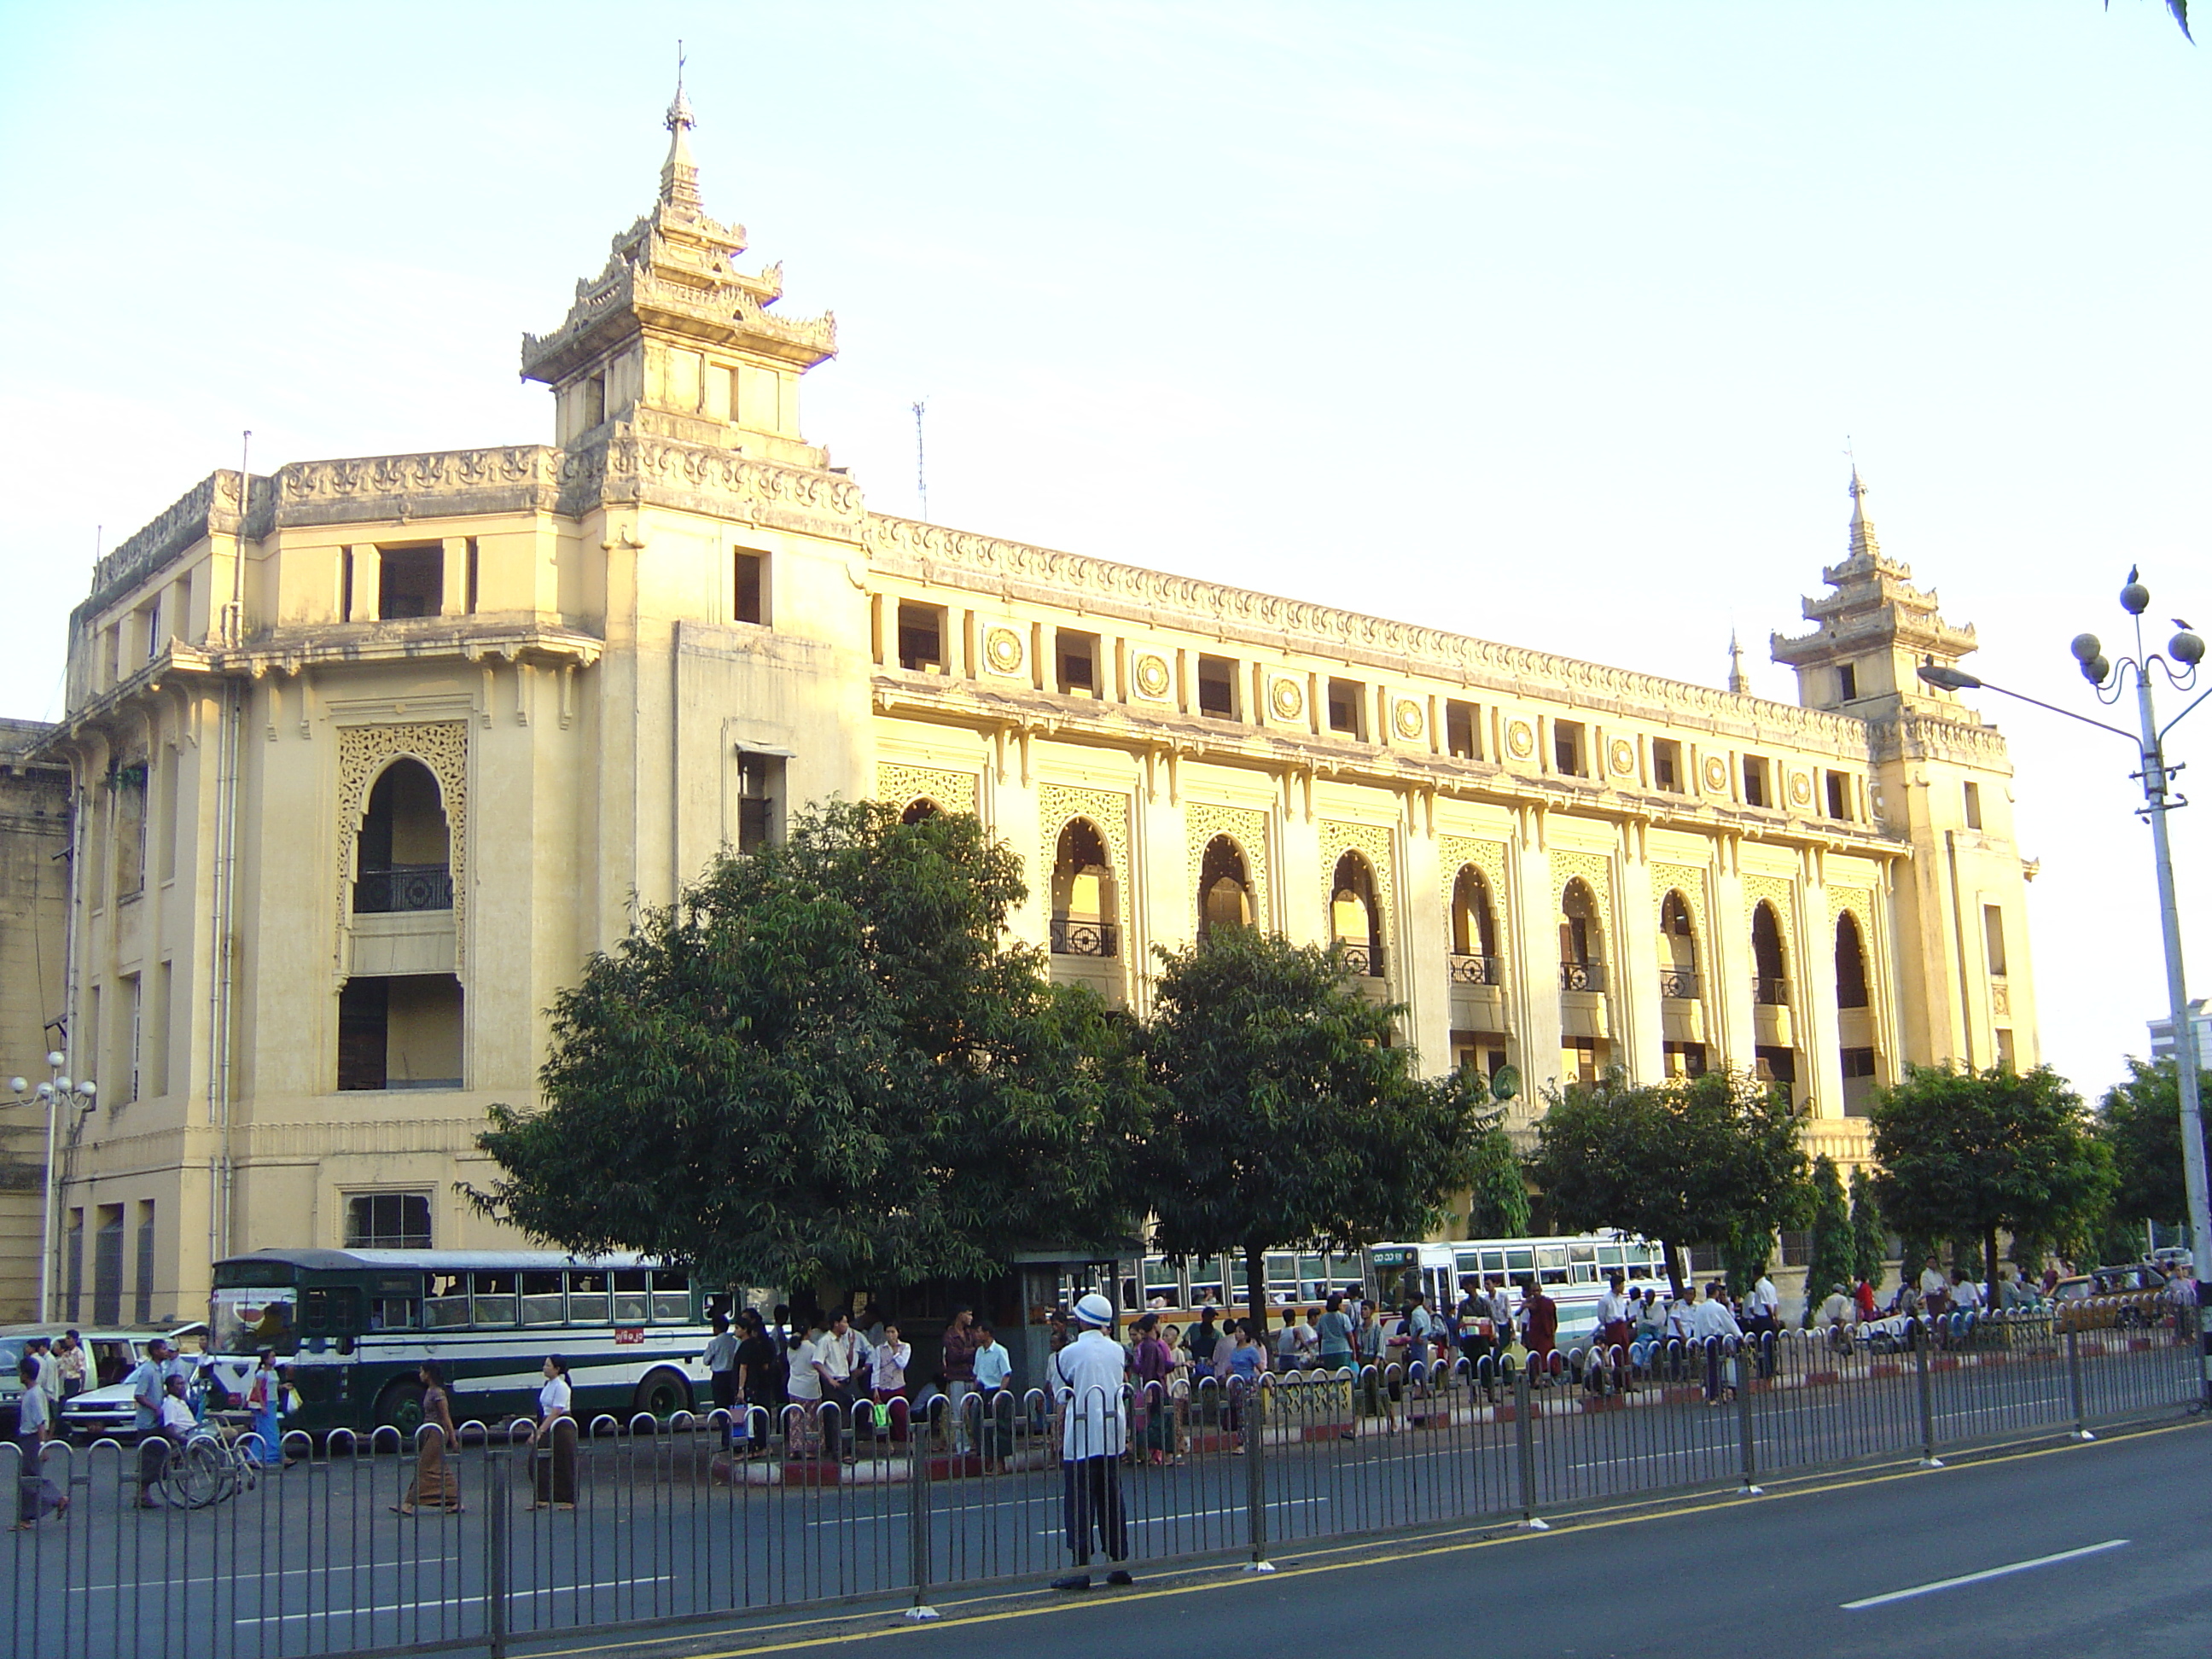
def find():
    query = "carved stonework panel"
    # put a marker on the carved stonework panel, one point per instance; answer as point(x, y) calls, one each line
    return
point(1779, 891)
point(1689, 881)
point(1596, 870)
point(1859, 901)
point(1521, 740)
point(1801, 789)
point(1716, 776)
point(1107, 809)
point(1153, 679)
point(1624, 757)
point(363, 753)
point(1373, 842)
point(1004, 652)
point(1408, 719)
point(1287, 700)
point(1456, 852)
point(1247, 827)
point(902, 785)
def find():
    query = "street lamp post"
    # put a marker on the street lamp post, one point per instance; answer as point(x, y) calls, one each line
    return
point(2183, 652)
point(57, 1092)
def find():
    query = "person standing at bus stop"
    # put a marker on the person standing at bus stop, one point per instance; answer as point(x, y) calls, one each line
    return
point(1094, 1434)
point(721, 1359)
point(553, 1441)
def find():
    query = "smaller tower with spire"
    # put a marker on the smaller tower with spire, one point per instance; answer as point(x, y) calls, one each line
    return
point(1872, 632)
point(1739, 683)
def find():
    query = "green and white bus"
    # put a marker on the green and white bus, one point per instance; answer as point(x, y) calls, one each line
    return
point(354, 1325)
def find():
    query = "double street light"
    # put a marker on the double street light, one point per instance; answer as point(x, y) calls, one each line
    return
point(57, 1094)
point(2178, 664)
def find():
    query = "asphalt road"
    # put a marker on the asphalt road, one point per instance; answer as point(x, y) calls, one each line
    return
point(2119, 1533)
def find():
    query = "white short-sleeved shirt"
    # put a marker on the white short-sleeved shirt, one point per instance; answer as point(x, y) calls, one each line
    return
point(805, 1383)
point(555, 1397)
point(1090, 1369)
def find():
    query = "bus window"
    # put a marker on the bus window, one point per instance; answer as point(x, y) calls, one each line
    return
point(1552, 1261)
point(448, 1305)
point(1493, 1262)
point(1162, 1287)
point(631, 1305)
point(588, 1298)
point(394, 1313)
point(1520, 1261)
point(1610, 1255)
point(1206, 1282)
point(543, 1302)
point(671, 1295)
point(334, 1310)
point(493, 1298)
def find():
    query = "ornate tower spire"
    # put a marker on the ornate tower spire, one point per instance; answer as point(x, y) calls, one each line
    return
point(679, 174)
point(1739, 683)
point(1864, 543)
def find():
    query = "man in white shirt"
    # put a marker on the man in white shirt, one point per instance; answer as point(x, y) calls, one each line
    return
point(1762, 1321)
point(1966, 1293)
point(1094, 1432)
point(1934, 1289)
point(1713, 1324)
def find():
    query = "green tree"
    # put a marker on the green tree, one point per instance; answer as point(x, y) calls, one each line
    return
point(2140, 1122)
point(1284, 1118)
point(1977, 1153)
point(1713, 1159)
point(824, 1065)
point(1869, 1234)
point(1497, 1206)
point(1834, 1248)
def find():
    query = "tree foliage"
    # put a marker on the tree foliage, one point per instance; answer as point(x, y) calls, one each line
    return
point(824, 1063)
point(1834, 1256)
point(2141, 1124)
point(1284, 1118)
point(1497, 1206)
point(1870, 1233)
point(1708, 1159)
point(1977, 1153)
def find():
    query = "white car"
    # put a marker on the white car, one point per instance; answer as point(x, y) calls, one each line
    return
point(107, 1410)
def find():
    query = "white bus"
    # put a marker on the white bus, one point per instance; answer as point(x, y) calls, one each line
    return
point(1572, 1270)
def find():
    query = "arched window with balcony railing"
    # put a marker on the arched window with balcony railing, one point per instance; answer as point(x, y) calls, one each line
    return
point(1475, 930)
point(1582, 939)
point(1770, 968)
point(1850, 963)
point(1224, 887)
point(1678, 949)
point(1083, 904)
point(1355, 916)
point(405, 848)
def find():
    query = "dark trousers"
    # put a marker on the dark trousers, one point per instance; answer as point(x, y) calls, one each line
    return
point(725, 1385)
point(1090, 1491)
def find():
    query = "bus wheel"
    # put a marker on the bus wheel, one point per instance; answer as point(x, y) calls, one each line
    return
point(662, 1394)
point(400, 1407)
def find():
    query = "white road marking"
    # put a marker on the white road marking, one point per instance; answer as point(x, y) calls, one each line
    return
point(1976, 1577)
point(477, 1599)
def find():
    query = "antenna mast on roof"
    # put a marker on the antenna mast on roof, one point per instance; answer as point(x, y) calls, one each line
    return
point(920, 470)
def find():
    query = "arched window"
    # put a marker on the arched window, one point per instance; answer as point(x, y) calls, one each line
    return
point(1355, 917)
point(1678, 948)
point(919, 808)
point(1082, 900)
point(1770, 968)
point(1582, 939)
point(1224, 891)
point(1850, 963)
point(405, 849)
point(1475, 930)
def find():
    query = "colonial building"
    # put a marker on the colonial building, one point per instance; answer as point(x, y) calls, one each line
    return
point(34, 826)
point(371, 753)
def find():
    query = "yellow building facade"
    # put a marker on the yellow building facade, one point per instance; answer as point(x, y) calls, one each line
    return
point(370, 754)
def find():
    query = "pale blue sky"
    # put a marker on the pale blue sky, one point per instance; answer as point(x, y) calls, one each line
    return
point(1545, 323)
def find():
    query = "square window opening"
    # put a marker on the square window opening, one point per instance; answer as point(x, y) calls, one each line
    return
point(751, 601)
point(411, 581)
point(921, 637)
point(1847, 683)
point(1567, 747)
point(1077, 654)
point(1973, 807)
point(1344, 698)
point(1839, 795)
point(387, 1221)
point(1460, 731)
point(760, 786)
point(1756, 791)
point(1667, 765)
point(1217, 688)
point(403, 1032)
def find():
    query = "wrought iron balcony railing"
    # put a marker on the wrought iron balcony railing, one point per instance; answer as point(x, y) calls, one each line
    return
point(1473, 970)
point(403, 887)
point(1364, 960)
point(1679, 982)
point(1581, 977)
point(1084, 938)
point(1770, 990)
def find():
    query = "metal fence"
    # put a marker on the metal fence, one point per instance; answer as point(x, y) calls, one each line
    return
point(362, 1545)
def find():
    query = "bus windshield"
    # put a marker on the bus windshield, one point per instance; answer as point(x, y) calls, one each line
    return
point(245, 1318)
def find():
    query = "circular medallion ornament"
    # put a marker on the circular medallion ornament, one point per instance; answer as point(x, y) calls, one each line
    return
point(1624, 756)
point(1152, 677)
point(1407, 717)
point(1801, 789)
point(1716, 774)
point(1004, 648)
point(1521, 740)
point(1287, 700)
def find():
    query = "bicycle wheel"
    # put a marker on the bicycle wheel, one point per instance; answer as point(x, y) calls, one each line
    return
point(202, 1476)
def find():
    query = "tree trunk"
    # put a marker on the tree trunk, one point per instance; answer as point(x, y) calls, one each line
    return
point(1673, 1254)
point(1255, 1286)
point(1990, 1262)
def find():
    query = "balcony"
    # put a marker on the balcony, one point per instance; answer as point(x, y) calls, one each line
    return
point(1362, 961)
point(1084, 938)
point(1581, 977)
point(1473, 970)
point(403, 887)
point(1679, 983)
point(1770, 991)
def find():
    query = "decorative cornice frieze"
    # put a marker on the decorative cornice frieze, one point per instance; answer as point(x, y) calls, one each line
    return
point(1152, 598)
point(631, 468)
point(209, 507)
point(1915, 735)
point(438, 483)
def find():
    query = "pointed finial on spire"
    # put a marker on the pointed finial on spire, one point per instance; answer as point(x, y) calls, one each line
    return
point(1739, 683)
point(679, 174)
point(1864, 544)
